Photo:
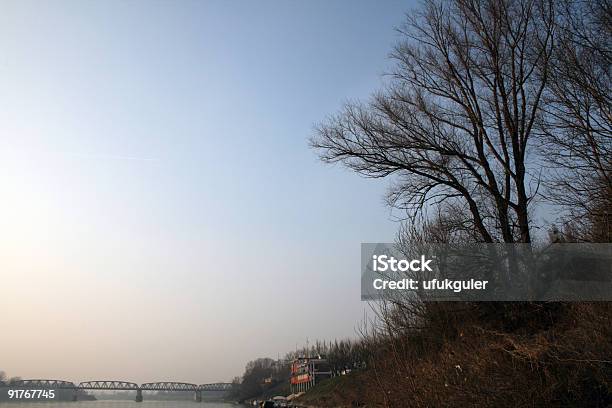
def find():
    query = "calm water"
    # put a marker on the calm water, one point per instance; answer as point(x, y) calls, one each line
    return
point(119, 404)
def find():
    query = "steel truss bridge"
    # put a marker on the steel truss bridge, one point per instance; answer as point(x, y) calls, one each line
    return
point(112, 385)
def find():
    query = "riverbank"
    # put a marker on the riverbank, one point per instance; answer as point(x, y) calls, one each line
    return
point(342, 391)
point(556, 359)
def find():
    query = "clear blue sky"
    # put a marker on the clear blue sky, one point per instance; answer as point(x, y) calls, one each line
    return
point(161, 213)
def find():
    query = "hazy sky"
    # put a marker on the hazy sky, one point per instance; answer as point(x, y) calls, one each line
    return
point(161, 214)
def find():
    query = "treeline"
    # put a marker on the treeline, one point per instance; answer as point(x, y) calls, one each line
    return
point(263, 377)
point(342, 355)
point(267, 377)
point(6, 379)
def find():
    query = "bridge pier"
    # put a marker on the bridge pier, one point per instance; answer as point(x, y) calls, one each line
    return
point(197, 396)
point(139, 395)
point(74, 394)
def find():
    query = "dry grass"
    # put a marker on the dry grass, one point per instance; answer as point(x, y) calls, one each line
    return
point(553, 356)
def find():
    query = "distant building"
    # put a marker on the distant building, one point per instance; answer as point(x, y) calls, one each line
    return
point(306, 372)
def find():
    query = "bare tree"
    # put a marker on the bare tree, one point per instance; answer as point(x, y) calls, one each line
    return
point(578, 118)
point(456, 119)
point(487, 99)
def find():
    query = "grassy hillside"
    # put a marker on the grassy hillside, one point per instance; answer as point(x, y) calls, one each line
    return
point(564, 362)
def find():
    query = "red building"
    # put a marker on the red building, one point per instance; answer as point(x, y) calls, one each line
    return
point(306, 372)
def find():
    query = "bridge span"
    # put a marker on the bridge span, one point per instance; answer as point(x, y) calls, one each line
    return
point(114, 385)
